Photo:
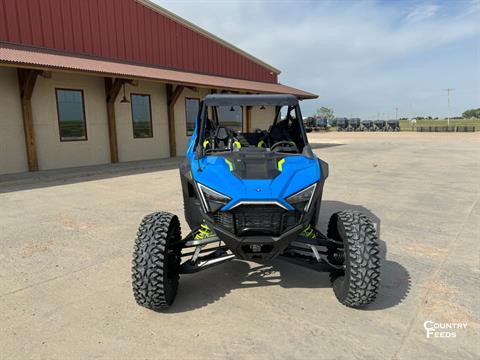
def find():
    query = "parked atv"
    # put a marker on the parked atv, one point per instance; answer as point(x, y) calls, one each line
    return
point(354, 124)
point(380, 125)
point(393, 125)
point(322, 124)
point(342, 124)
point(310, 124)
point(367, 125)
point(253, 196)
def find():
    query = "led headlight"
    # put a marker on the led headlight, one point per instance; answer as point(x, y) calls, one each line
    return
point(211, 199)
point(302, 199)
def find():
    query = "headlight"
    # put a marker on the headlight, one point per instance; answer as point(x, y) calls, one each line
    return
point(302, 199)
point(211, 199)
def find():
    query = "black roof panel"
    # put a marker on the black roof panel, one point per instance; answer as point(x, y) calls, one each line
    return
point(250, 100)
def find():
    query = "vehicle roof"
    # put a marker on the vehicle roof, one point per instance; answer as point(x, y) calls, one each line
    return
point(250, 100)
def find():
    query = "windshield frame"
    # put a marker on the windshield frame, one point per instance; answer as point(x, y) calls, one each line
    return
point(203, 115)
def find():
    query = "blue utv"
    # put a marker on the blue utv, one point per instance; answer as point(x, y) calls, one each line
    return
point(253, 196)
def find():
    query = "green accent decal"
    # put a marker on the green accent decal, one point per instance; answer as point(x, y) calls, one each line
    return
point(261, 143)
point(205, 143)
point(230, 165)
point(280, 164)
point(237, 144)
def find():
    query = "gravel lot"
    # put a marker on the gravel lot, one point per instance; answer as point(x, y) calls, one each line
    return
point(66, 240)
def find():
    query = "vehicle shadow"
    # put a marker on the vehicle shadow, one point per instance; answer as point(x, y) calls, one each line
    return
point(206, 287)
point(314, 145)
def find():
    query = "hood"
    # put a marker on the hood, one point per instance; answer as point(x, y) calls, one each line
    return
point(262, 177)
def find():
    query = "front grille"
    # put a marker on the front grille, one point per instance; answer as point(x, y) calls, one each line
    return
point(247, 220)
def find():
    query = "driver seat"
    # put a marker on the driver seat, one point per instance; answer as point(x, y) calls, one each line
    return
point(221, 138)
point(278, 133)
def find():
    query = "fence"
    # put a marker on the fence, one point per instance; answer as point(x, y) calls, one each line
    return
point(446, 129)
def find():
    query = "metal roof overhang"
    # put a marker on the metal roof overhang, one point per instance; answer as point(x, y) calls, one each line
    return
point(36, 59)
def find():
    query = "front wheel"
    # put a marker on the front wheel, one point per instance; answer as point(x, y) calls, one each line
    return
point(357, 283)
point(155, 270)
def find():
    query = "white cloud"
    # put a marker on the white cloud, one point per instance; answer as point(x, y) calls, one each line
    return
point(474, 6)
point(360, 57)
point(422, 12)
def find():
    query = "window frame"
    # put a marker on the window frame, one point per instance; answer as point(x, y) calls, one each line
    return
point(150, 112)
point(58, 114)
point(186, 128)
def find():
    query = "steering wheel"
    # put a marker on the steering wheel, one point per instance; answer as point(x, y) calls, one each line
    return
point(290, 144)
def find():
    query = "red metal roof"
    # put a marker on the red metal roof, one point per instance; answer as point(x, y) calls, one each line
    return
point(136, 31)
point(21, 57)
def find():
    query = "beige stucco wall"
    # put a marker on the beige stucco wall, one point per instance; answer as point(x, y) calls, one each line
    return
point(130, 148)
point(53, 153)
point(13, 157)
point(262, 119)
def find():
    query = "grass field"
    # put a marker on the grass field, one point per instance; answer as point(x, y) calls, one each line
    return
point(406, 125)
point(72, 130)
point(142, 129)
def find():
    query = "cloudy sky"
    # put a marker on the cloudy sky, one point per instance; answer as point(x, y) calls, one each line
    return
point(362, 57)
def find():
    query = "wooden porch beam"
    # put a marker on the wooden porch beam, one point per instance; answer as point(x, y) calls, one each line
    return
point(175, 95)
point(26, 81)
point(249, 119)
point(112, 89)
point(172, 97)
point(114, 86)
point(46, 74)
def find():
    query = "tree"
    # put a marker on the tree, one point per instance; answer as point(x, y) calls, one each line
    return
point(325, 113)
point(472, 113)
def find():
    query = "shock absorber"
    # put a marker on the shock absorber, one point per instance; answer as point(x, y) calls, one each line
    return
point(339, 257)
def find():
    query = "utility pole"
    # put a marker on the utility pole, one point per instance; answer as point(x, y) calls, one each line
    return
point(396, 113)
point(449, 90)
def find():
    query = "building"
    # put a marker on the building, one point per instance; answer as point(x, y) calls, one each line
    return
point(85, 82)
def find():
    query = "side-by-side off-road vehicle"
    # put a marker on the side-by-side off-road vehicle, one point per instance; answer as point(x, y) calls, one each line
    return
point(253, 196)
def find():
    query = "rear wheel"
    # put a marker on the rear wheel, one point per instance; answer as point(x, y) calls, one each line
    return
point(155, 271)
point(357, 283)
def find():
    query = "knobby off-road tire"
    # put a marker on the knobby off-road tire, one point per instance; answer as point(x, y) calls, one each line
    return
point(356, 285)
point(155, 271)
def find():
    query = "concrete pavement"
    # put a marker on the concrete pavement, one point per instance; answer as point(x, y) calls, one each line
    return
point(67, 236)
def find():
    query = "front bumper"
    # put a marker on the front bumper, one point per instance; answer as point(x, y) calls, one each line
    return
point(258, 247)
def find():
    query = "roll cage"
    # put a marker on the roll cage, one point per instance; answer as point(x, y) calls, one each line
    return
point(214, 101)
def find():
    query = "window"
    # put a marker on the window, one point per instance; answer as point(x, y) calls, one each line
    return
point(191, 111)
point(141, 116)
point(71, 115)
point(231, 117)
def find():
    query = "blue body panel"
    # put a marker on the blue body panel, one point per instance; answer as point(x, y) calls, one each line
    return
point(297, 173)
